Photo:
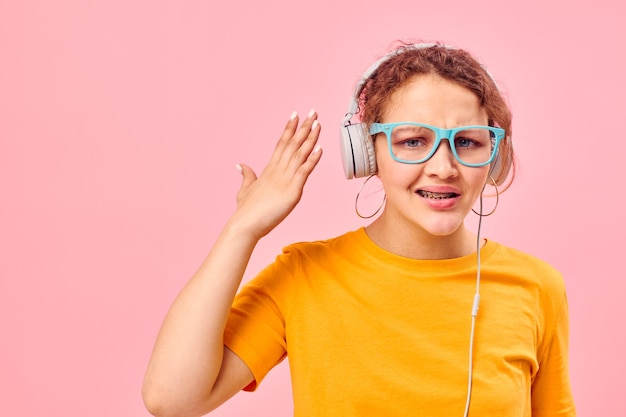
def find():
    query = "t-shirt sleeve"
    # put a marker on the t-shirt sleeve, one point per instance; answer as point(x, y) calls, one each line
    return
point(551, 391)
point(255, 329)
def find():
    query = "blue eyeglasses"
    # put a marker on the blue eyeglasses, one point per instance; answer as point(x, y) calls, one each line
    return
point(415, 143)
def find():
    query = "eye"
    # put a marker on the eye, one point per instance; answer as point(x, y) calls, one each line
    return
point(413, 143)
point(411, 136)
point(472, 139)
point(464, 142)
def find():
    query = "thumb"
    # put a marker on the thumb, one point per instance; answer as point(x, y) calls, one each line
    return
point(248, 175)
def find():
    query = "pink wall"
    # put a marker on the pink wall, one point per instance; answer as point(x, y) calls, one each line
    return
point(121, 123)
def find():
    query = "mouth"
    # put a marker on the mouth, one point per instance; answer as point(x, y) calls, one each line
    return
point(437, 196)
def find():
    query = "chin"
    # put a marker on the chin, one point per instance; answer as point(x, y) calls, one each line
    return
point(439, 224)
point(442, 228)
point(442, 231)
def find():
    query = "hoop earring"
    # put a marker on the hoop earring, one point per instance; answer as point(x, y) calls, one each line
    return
point(356, 201)
point(493, 182)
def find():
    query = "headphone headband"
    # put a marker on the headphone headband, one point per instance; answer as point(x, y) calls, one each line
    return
point(354, 103)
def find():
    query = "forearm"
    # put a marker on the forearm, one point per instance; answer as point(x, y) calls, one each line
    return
point(187, 356)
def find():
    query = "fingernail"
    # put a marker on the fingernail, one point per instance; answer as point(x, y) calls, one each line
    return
point(314, 125)
point(293, 115)
point(312, 113)
point(317, 149)
point(239, 168)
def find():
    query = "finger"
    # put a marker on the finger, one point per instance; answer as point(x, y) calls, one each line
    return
point(301, 133)
point(303, 172)
point(304, 130)
point(303, 152)
point(288, 132)
point(309, 154)
point(291, 140)
point(248, 175)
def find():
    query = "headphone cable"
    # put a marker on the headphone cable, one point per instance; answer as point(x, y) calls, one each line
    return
point(474, 312)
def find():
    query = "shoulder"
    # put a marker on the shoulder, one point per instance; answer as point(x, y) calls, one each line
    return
point(338, 245)
point(529, 269)
point(300, 258)
point(534, 283)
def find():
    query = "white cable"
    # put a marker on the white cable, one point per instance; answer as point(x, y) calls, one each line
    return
point(474, 314)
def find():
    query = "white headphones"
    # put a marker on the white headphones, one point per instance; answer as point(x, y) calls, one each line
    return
point(357, 145)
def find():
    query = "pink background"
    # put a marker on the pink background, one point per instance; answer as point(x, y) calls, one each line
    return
point(121, 123)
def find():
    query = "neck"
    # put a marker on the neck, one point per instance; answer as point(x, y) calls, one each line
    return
point(414, 242)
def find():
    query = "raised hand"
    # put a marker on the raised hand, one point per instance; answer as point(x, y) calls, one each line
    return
point(190, 372)
point(263, 202)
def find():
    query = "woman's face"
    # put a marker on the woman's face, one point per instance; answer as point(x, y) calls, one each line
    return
point(434, 196)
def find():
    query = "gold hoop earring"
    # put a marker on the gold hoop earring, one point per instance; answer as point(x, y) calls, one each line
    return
point(493, 182)
point(356, 201)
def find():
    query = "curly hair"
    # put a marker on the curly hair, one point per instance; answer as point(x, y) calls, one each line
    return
point(452, 64)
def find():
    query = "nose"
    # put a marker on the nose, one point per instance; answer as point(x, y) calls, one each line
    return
point(443, 163)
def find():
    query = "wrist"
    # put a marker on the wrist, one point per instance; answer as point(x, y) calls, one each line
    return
point(243, 229)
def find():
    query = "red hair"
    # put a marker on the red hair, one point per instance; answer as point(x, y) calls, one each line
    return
point(452, 64)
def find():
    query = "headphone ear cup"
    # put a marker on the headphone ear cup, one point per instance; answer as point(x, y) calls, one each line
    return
point(498, 170)
point(357, 151)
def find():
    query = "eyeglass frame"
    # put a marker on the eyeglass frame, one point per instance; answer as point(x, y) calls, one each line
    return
point(440, 133)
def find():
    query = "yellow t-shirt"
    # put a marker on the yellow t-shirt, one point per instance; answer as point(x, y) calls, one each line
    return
point(370, 333)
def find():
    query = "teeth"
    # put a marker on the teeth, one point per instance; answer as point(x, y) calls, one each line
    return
point(436, 196)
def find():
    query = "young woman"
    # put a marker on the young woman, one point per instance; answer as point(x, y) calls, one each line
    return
point(381, 321)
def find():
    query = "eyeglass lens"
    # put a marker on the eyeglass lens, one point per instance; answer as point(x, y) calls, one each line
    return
point(415, 143)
